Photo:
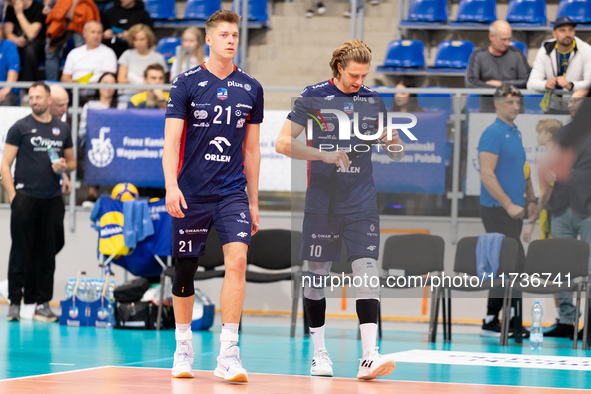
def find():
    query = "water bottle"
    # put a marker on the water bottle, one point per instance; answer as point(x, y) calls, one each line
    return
point(53, 156)
point(536, 337)
point(70, 287)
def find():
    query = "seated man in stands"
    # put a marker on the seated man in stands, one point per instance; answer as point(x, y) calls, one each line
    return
point(152, 98)
point(90, 61)
point(498, 64)
point(10, 65)
point(24, 25)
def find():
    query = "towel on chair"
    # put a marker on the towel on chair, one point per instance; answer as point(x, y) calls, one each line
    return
point(488, 251)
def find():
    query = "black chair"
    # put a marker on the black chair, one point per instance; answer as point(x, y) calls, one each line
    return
point(272, 251)
point(413, 255)
point(465, 263)
point(547, 264)
point(213, 258)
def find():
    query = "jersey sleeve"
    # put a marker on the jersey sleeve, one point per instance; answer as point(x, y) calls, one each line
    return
point(68, 142)
point(489, 142)
point(14, 136)
point(178, 98)
point(298, 112)
point(256, 115)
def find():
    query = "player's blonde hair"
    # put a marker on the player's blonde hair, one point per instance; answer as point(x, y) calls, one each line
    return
point(221, 16)
point(353, 50)
point(549, 125)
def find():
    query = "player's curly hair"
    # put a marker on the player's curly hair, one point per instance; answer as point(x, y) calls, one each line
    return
point(355, 50)
point(221, 16)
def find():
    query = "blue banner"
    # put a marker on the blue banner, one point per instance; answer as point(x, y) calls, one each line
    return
point(422, 169)
point(124, 146)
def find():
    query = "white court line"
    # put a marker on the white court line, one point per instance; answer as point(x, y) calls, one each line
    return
point(494, 360)
point(392, 380)
point(54, 373)
point(61, 364)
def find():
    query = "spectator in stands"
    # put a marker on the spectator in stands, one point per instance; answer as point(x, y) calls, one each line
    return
point(90, 61)
point(134, 62)
point(498, 64)
point(406, 102)
point(563, 63)
point(192, 51)
point(107, 98)
point(502, 161)
point(10, 65)
point(319, 6)
point(66, 20)
point(24, 25)
point(151, 98)
point(119, 19)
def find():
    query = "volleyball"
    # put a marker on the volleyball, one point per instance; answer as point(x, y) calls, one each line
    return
point(124, 191)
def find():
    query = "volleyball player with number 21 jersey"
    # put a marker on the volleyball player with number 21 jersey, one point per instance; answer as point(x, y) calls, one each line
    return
point(211, 165)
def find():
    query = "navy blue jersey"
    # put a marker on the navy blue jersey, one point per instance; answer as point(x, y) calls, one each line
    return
point(355, 188)
point(215, 112)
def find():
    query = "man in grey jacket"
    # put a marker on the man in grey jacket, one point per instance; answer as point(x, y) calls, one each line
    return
point(562, 65)
point(498, 64)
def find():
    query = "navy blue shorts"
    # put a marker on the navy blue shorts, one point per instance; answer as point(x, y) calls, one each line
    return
point(230, 217)
point(360, 231)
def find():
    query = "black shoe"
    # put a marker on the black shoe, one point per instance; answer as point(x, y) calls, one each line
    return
point(524, 331)
point(44, 313)
point(491, 329)
point(560, 330)
point(14, 313)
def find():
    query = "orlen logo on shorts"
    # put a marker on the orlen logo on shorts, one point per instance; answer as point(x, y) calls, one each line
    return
point(193, 231)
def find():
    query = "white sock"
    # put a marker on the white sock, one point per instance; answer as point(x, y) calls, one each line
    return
point(488, 318)
point(369, 333)
point(229, 330)
point(317, 334)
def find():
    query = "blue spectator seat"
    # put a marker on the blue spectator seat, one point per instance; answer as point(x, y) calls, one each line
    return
point(452, 56)
point(526, 12)
point(161, 9)
point(167, 47)
point(531, 104)
point(201, 9)
point(258, 15)
point(520, 45)
point(578, 10)
point(472, 103)
point(427, 12)
point(476, 11)
point(404, 54)
point(436, 102)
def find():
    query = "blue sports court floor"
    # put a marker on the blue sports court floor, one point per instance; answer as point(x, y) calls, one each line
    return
point(45, 357)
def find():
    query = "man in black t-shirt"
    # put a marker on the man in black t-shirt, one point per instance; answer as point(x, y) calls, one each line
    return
point(35, 201)
point(24, 25)
point(119, 19)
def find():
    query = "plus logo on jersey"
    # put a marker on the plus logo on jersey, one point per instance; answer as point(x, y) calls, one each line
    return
point(222, 93)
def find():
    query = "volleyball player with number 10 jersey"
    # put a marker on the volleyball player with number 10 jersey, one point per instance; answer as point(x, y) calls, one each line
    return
point(211, 155)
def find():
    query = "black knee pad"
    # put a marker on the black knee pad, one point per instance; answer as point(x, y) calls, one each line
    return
point(183, 284)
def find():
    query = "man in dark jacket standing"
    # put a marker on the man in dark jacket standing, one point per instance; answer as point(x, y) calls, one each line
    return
point(119, 19)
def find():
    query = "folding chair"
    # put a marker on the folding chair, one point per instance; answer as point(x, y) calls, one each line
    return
point(415, 255)
point(465, 263)
point(526, 12)
point(548, 264)
point(405, 55)
point(276, 254)
point(480, 11)
point(578, 10)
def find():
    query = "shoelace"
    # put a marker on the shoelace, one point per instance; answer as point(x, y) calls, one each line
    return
point(184, 354)
point(323, 356)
